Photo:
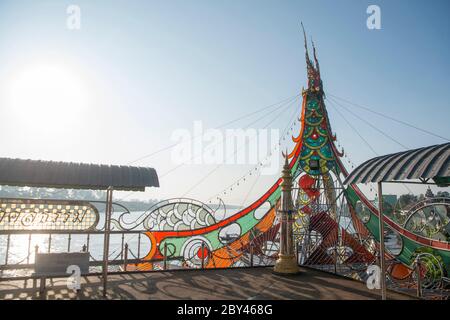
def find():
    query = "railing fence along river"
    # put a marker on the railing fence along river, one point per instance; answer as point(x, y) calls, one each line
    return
point(127, 246)
point(79, 226)
point(21, 235)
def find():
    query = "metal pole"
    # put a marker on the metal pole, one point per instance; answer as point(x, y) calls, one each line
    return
point(36, 251)
point(29, 248)
point(49, 242)
point(165, 255)
point(381, 234)
point(123, 240)
point(68, 242)
point(139, 246)
point(108, 210)
point(203, 255)
point(8, 240)
point(419, 284)
point(125, 262)
point(335, 257)
point(87, 242)
point(338, 218)
point(251, 254)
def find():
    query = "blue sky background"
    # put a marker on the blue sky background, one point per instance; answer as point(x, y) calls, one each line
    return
point(152, 67)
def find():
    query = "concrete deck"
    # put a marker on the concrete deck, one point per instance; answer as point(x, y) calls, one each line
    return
point(249, 283)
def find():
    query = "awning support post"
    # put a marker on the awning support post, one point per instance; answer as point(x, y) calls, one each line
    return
point(381, 235)
point(109, 195)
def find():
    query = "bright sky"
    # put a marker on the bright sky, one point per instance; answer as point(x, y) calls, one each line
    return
point(115, 90)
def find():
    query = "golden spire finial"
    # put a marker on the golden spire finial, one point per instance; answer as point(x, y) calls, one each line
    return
point(316, 61)
point(286, 158)
point(306, 43)
point(286, 174)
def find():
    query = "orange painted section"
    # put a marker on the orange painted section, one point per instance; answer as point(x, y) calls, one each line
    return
point(228, 255)
point(400, 272)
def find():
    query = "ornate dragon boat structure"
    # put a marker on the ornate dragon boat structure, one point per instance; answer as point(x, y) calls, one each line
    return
point(336, 226)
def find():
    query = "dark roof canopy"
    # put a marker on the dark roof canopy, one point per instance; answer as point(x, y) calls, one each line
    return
point(424, 163)
point(52, 174)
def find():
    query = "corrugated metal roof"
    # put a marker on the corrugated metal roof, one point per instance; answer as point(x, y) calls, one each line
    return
point(37, 173)
point(426, 163)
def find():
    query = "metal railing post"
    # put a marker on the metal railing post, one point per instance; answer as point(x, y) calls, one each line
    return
point(8, 240)
point(125, 262)
point(36, 251)
point(165, 255)
point(139, 246)
point(381, 237)
point(88, 238)
point(29, 248)
point(122, 246)
point(108, 212)
point(335, 258)
point(251, 254)
point(419, 284)
point(49, 242)
point(68, 242)
point(203, 255)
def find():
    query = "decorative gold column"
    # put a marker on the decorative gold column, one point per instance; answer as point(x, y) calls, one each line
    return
point(287, 262)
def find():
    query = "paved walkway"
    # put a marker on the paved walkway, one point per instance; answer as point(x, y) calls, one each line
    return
point(249, 283)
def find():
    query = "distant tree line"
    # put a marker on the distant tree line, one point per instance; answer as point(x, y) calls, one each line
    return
point(403, 201)
point(50, 193)
point(71, 194)
point(406, 200)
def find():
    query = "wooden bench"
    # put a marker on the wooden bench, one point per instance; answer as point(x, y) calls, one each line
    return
point(54, 265)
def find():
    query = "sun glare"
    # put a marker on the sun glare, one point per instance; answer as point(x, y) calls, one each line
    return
point(47, 94)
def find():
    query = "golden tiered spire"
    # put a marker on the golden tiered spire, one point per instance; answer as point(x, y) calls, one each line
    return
point(287, 262)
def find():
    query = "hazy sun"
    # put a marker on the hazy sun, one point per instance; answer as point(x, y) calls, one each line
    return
point(47, 94)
